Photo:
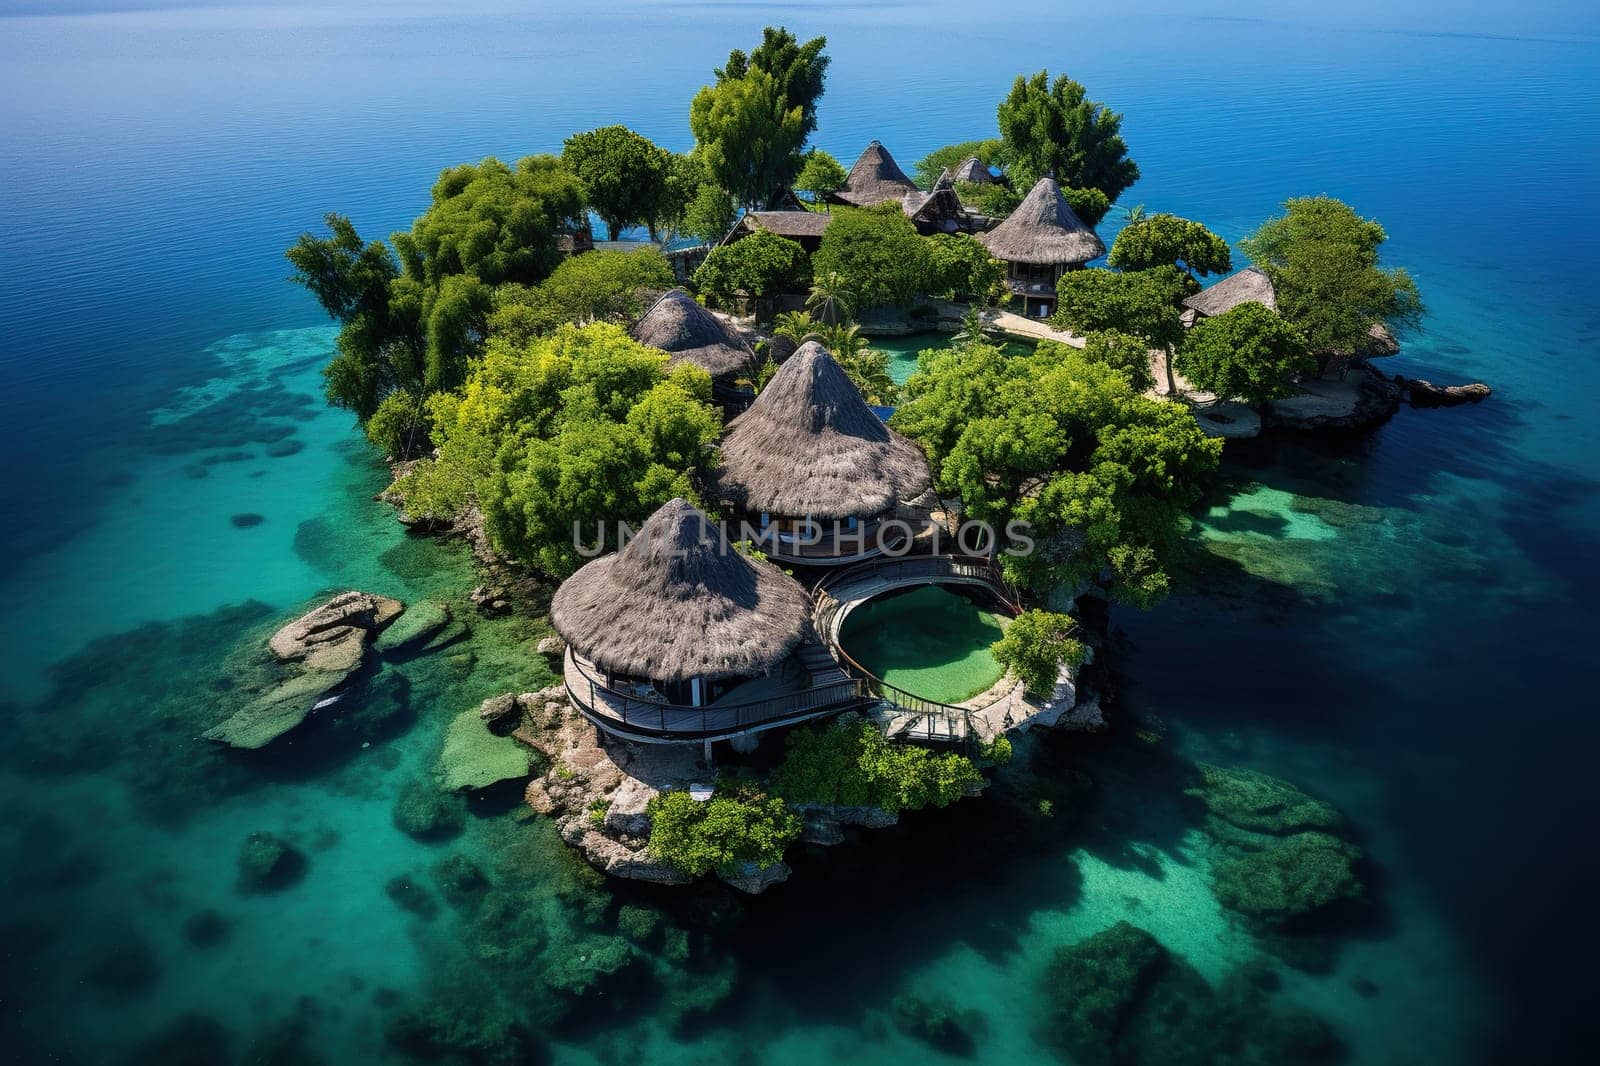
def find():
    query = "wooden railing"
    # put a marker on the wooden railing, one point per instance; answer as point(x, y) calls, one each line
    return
point(935, 720)
point(610, 707)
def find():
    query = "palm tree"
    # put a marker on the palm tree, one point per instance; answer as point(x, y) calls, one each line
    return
point(831, 301)
point(974, 328)
point(795, 326)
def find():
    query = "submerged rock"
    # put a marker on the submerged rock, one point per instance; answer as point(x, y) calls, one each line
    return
point(1261, 803)
point(579, 968)
point(940, 1025)
point(325, 646)
point(268, 862)
point(1121, 997)
point(1422, 393)
point(501, 714)
point(424, 812)
point(475, 758)
point(459, 880)
point(414, 629)
point(205, 929)
point(409, 895)
point(1287, 878)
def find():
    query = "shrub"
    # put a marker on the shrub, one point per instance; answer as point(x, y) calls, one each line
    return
point(1124, 353)
point(399, 427)
point(992, 199)
point(605, 286)
point(876, 253)
point(853, 765)
point(997, 751)
point(722, 834)
point(1037, 644)
point(758, 265)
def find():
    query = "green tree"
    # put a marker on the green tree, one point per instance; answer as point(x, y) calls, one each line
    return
point(724, 834)
point(799, 71)
point(608, 286)
point(1248, 353)
point(821, 175)
point(711, 214)
point(830, 299)
point(1036, 645)
point(581, 426)
point(1090, 205)
point(1124, 353)
point(399, 427)
point(1103, 476)
point(748, 135)
point(959, 265)
point(1167, 240)
point(413, 318)
point(852, 765)
point(877, 254)
point(1144, 304)
point(758, 265)
point(867, 368)
point(624, 175)
point(1323, 260)
point(930, 166)
point(1053, 128)
point(993, 200)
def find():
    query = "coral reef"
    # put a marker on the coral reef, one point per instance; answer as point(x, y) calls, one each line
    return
point(939, 1024)
point(423, 811)
point(407, 892)
point(268, 863)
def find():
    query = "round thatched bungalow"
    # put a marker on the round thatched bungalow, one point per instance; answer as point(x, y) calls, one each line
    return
point(1039, 241)
point(815, 471)
point(663, 630)
point(876, 178)
point(686, 331)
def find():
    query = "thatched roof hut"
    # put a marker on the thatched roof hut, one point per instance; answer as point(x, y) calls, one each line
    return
point(937, 210)
point(680, 602)
point(804, 227)
point(687, 332)
point(1250, 285)
point(811, 447)
point(973, 170)
point(874, 179)
point(1043, 230)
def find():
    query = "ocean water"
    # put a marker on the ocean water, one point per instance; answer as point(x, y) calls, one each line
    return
point(1401, 622)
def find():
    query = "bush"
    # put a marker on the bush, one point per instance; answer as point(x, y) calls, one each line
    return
point(1090, 205)
point(723, 834)
point(853, 765)
point(1036, 646)
point(958, 265)
point(758, 265)
point(877, 254)
point(992, 199)
point(606, 286)
point(1123, 353)
point(399, 427)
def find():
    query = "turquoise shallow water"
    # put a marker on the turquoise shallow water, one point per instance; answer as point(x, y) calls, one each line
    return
point(1395, 621)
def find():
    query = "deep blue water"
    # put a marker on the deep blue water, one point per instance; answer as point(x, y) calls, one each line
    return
point(1422, 655)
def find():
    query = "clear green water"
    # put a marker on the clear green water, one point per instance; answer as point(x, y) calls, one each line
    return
point(930, 641)
point(903, 351)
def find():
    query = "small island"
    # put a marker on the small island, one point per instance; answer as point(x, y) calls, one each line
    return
point(678, 441)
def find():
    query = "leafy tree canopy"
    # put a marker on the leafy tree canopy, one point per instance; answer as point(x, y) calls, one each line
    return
point(624, 175)
point(1103, 476)
point(799, 70)
point(876, 253)
point(821, 175)
point(1248, 353)
point(1124, 353)
point(758, 265)
point(711, 214)
point(1167, 240)
point(1322, 258)
point(608, 286)
point(992, 199)
point(1036, 645)
point(1142, 303)
point(1090, 205)
point(413, 317)
point(748, 135)
point(1053, 128)
point(959, 265)
point(582, 426)
point(930, 166)
point(723, 834)
point(851, 764)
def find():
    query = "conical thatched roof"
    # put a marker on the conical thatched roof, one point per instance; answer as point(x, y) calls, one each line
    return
point(941, 202)
point(1250, 285)
point(811, 447)
point(689, 333)
point(876, 177)
point(679, 601)
point(974, 170)
point(1044, 230)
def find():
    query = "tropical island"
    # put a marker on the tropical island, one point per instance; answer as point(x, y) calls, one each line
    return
point(797, 581)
